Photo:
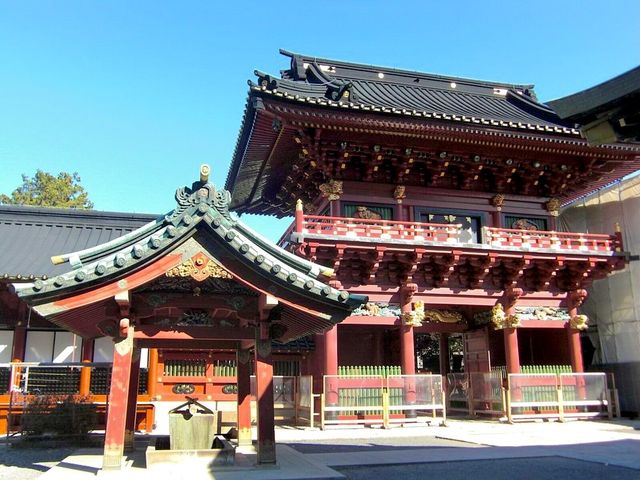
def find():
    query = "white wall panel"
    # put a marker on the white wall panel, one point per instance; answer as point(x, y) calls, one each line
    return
point(144, 358)
point(39, 346)
point(66, 348)
point(6, 344)
point(103, 350)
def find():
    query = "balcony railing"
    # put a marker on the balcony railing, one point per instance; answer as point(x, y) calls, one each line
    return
point(359, 229)
point(508, 237)
point(380, 229)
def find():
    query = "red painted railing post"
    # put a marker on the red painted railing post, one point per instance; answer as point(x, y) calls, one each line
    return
point(299, 217)
point(619, 246)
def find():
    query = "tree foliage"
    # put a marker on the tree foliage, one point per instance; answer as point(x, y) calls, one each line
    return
point(47, 190)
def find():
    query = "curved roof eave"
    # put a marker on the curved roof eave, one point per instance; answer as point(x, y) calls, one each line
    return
point(199, 208)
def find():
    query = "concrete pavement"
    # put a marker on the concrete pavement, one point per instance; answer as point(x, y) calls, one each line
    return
point(599, 447)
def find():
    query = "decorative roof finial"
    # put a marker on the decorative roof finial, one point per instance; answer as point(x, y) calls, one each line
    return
point(204, 172)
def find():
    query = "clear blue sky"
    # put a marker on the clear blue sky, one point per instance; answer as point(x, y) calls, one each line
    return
point(134, 95)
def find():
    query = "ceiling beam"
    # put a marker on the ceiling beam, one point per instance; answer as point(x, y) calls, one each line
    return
point(178, 333)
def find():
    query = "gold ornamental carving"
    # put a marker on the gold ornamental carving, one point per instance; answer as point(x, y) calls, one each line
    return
point(498, 201)
point(399, 193)
point(411, 319)
point(553, 207)
point(579, 322)
point(443, 316)
point(418, 315)
point(332, 190)
point(199, 267)
point(501, 320)
point(373, 309)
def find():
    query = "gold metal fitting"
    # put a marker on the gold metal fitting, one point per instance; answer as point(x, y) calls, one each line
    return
point(204, 172)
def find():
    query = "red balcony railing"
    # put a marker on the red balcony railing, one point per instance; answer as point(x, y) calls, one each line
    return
point(357, 228)
point(508, 237)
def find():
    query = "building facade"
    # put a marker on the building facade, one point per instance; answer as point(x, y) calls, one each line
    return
point(436, 197)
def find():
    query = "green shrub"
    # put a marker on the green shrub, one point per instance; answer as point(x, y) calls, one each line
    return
point(70, 416)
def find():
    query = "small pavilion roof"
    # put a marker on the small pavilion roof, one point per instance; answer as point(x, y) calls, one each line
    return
point(201, 219)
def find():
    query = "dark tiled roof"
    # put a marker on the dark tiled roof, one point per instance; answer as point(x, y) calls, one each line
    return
point(317, 88)
point(367, 87)
point(30, 236)
point(200, 220)
point(616, 102)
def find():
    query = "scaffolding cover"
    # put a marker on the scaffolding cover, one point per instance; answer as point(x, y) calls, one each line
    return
point(613, 305)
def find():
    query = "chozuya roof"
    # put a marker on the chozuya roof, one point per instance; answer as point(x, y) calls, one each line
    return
point(379, 89)
point(201, 218)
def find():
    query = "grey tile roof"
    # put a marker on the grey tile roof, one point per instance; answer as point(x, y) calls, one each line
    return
point(30, 236)
point(200, 220)
point(615, 102)
point(349, 85)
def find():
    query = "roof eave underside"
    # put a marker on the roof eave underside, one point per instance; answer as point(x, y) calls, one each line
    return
point(252, 167)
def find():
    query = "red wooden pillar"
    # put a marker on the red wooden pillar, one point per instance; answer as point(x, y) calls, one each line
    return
point(19, 343)
point(407, 351)
point(407, 360)
point(152, 377)
point(17, 353)
point(117, 406)
point(243, 356)
point(318, 363)
point(264, 396)
point(85, 373)
point(575, 298)
point(444, 354)
point(511, 351)
point(331, 364)
point(575, 350)
point(18, 346)
point(334, 208)
point(132, 401)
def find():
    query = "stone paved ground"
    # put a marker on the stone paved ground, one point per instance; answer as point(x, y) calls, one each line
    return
point(28, 463)
point(464, 450)
point(547, 468)
point(353, 445)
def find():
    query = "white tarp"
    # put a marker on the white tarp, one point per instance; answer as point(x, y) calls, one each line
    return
point(613, 305)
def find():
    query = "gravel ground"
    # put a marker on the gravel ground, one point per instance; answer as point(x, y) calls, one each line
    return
point(548, 468)
point(28, 463)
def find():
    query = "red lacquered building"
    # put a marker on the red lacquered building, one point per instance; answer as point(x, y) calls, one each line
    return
point(438, 197)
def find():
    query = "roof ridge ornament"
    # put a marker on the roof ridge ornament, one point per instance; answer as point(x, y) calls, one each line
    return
point(201, 196)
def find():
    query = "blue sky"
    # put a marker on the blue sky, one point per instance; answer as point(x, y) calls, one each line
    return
point(134, 96)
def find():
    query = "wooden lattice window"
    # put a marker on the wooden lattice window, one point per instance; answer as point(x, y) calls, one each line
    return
point(471, 223)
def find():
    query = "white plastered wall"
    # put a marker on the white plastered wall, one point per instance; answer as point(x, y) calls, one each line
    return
point(6, 344)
